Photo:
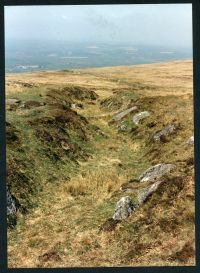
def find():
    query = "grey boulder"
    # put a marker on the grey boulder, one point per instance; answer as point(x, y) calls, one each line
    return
point(170, 129)
point(124, 208)
point(155, 172)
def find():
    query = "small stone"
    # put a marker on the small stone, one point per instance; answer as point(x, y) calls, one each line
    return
point(138, 117)
point(102, 133)
point(123, 128)
point(12, 101)
point(124, 208)
point(11, 207)
point(156, 172)
point(190, 141)
point(73, 106)
point(165, 132)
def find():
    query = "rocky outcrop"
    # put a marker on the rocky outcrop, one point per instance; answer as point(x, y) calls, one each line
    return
point(124, 208)
point(121, 115)
point(161, 135)
point(156, 172)
point(140, 116)
point(144, 186)
point(190, 141)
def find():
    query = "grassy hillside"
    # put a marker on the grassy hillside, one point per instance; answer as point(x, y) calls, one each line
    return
point(67, 160)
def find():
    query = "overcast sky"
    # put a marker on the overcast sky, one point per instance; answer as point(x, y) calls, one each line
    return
point(162, 24)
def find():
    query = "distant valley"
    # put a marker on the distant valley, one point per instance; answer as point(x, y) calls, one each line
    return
point(33, 56)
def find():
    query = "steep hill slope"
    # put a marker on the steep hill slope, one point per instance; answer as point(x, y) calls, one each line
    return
point(70, 160)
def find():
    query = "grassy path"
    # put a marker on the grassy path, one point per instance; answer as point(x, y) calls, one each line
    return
point(64, 227)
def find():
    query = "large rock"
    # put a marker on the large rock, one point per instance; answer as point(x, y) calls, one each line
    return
point(170, 129)
point(124, 208)
point(121, 115)
point(155, 172)
point(138, 117)
point(190, 141)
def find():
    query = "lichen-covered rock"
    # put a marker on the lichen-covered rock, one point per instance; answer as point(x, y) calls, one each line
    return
point(138, 117)
point(124, 208)
point(156, 172)
point(190, 141)
point(121, 115)
point(165, 132)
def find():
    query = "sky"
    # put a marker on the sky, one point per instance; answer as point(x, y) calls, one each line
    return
point(161, 24)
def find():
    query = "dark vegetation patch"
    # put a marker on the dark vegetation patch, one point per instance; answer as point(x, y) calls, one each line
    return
point(49, 256)
point(109, 225)
point(121, 98)
point(46, 141)
point(32, 104)
point(112, 103)
point(12, 134)
point(20, 179)
point(69, 93)
point(184, 254)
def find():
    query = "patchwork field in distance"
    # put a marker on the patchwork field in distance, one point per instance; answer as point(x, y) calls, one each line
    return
point(100, 167)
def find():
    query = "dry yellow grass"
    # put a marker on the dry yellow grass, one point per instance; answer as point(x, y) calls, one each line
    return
point(176, 76)
point(63, 230)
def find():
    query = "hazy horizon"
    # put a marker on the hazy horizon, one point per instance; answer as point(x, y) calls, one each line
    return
point(68, 37)
point(149, 24)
